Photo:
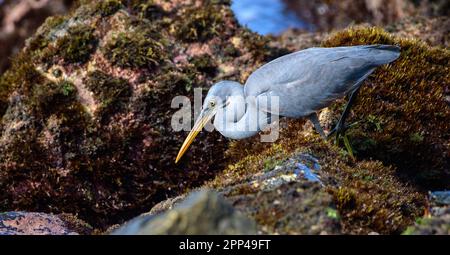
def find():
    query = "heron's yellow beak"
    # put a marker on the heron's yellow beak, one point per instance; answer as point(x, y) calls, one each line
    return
point(199, 124)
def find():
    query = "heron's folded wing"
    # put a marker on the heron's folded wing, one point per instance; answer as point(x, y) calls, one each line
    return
point(309, 80)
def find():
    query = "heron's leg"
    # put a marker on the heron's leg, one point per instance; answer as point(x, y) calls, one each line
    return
point(340, 126)
point(315, 120)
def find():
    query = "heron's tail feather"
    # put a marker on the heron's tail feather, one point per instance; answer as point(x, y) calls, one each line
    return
point(384, 54)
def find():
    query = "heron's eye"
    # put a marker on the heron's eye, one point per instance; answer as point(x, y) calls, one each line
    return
point(212, 104)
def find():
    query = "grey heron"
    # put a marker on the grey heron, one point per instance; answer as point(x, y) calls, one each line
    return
point(304, 82)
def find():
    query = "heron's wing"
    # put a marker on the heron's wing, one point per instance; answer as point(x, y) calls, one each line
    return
point(309, 80)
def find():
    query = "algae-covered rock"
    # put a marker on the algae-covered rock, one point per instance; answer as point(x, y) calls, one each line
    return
point(400, 142)
point(406, 124)
point(433, 225)
point(28, 223)
point(202, 212)
point(86, 126)
point(286, 197)
point(437, 218)
point(86, 108)
point(326, 15)
point(366, 195)
point(19, 20)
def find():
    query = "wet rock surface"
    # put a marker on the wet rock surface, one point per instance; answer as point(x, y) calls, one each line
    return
point(202, 212)
point(28, 223)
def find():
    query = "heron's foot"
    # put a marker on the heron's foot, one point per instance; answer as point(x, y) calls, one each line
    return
point(339, 131)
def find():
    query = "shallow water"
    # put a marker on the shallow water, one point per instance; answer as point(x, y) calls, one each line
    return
point(266, 16)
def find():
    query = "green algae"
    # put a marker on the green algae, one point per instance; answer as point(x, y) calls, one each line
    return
point(111, 93)
point(406, 124)
point(78, 45)
point(205, 64)
point(148, 10)
point(109, 166)
point(368, 197)
point(199, 24)
point(134, 50)
point(108, 7)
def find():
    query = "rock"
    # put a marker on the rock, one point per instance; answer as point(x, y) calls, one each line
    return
point(381, 190)
point(434, 225)
point(292, 208)
point(438, 203)
point(437, 218)
point(86, 108)
point(19, 19)
point(86, 115)
point(434, 31)
point(440, 198)
point(294, 39)
point(28, 223)
point(326, 15)
point(286, 197)
point(281, 199)
point(202, 212)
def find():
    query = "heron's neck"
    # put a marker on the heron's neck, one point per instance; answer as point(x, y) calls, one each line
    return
point(241, 118)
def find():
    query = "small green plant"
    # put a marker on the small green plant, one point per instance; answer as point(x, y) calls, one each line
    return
point(332, 213)
point(67, 88)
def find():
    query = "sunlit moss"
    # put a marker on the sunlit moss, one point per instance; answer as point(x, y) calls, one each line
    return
point(406, 124)
point(199, 23)
point(77, 46)
point(205, 64)
point(108, 7)
point(110, 92)
point(134, 49)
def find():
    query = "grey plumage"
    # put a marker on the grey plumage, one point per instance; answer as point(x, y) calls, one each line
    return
point(311, 79)
point(304, 82)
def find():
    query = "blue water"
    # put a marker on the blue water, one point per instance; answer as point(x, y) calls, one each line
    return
point(266, 16)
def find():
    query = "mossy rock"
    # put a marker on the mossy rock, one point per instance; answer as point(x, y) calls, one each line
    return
point(401, 141)
point(431, 225)
point(134, 49)
point(86, 109)
point(368, 195)
point(78, 45)
point(94, 138)
point(199, 24)
point(113, 93)
point(108, 7)
point(406, 124)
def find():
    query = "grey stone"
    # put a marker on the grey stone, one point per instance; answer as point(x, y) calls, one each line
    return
point(202, 212)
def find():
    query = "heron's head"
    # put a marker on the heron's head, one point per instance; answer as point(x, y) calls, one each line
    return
point(217, 99)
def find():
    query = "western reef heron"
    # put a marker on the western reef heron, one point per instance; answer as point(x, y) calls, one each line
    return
point(304, 82)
